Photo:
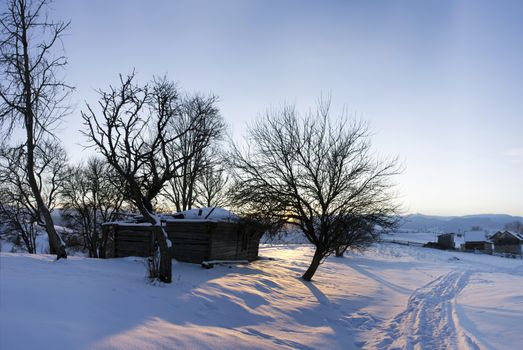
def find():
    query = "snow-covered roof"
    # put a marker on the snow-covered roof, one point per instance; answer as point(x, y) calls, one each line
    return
point(208, 214)
point(516, 235)
point(475, 236)
point(213, 214)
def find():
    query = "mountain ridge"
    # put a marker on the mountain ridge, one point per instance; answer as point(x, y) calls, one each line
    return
point(436, 223)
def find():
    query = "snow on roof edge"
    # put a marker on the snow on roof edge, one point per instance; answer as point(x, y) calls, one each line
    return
point(208, 214)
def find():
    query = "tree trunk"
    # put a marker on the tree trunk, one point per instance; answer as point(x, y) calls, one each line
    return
point(340, 251)
point(55, 244)
point(95, 238)
point(102, 253)
point(165, 266)
point(29, 119)
point(316, 260)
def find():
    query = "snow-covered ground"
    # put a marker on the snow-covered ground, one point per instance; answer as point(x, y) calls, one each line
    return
point(390, 297)
point(419, 237)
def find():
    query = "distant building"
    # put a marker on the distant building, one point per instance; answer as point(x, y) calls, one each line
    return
point(446, 241)
point(476, 241)
point(507, 242)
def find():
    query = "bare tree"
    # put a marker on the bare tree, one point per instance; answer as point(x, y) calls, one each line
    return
point(132, 132)
point(91, 197)
point(19, 225)
point(315, 174)
point(206, 126)
point(212, 184)
point(31, 92)
point(357, 234)
point(19, 208)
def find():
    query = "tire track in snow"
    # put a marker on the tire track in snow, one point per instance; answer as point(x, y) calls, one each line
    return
point(430, 319)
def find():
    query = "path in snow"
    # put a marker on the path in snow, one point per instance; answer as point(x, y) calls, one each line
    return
point(430, 319)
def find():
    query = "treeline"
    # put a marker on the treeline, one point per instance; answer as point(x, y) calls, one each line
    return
point(93, 192)
point(159, 148)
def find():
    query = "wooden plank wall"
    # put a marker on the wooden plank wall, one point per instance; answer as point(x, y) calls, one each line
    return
point(192, 241)
point(224, 242)
point(254, 235)
point(234, 242)
point(133, 241)
point(508, 248)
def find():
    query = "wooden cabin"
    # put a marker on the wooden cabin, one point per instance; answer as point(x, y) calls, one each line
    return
point(476, 241)
point(507, 242)
point(193, 240)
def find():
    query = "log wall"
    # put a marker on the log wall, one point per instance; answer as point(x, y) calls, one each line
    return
point(193, 241)
point(508, 248)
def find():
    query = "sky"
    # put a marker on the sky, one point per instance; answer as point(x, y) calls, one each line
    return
point(440, 82)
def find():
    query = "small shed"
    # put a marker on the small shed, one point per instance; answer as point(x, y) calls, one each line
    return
point(476, 241)
point(446, 241)
point(507, 242)
point(195, 238)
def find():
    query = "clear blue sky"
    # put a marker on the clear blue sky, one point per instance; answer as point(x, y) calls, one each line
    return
point(441, 82)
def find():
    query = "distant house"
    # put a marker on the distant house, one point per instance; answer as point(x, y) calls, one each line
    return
point(446, 241)
point(476, 241)
point(197, 235)
point(507, 242)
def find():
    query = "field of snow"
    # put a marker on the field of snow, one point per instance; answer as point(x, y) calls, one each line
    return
point(390, 297)
point(419, 237)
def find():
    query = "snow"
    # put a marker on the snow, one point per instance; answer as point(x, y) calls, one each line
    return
point(391, 296)
point(459, 240)
point(418, 237)
point(158, 222)
point(502, 311)
point(475, 236)
point(208, 213)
